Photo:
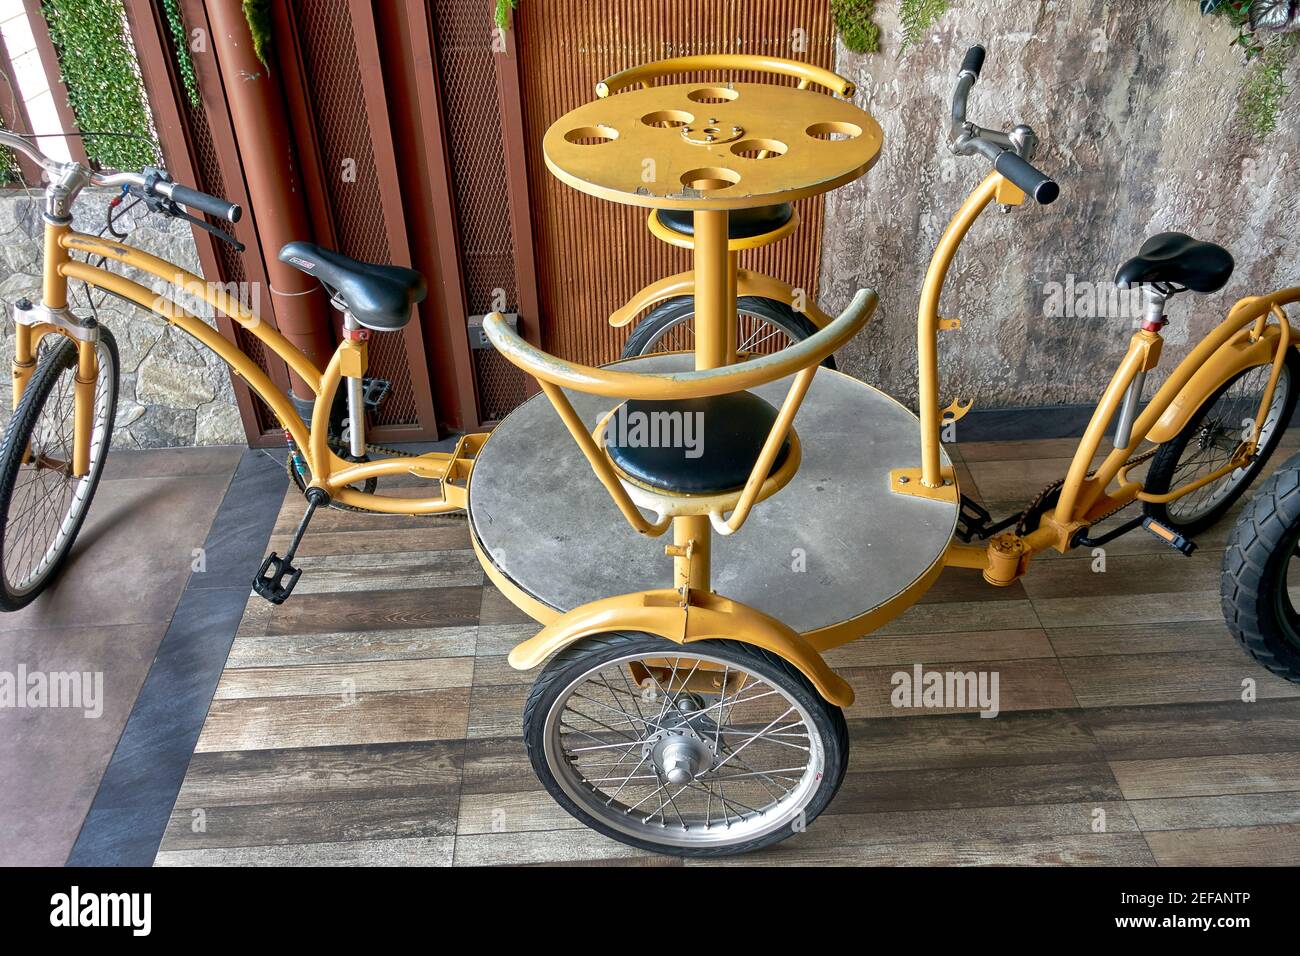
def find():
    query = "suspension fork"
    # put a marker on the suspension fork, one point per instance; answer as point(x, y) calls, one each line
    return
point(54, 317)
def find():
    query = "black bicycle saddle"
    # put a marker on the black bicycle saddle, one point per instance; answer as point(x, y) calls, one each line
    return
point(1173, 257)
point(380, 297)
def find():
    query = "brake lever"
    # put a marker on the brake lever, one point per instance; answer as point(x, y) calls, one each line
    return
point(221, 234)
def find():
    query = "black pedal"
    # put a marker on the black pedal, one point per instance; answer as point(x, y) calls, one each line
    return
point(277, 577)
point(974, 521)
point(374, 391)
point(1169, 536)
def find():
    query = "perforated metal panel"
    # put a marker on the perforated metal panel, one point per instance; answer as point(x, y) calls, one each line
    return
point(231, 262)
point(343, 136)
point(472, 127)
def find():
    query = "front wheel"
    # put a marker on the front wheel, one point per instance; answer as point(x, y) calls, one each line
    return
point(1258, 565)
point(704, 749)
point(42, 505)
point(1208, 440)
point(762, 326)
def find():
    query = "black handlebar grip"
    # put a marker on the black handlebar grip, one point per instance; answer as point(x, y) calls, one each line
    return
point(1024, 175)
point(212, 205)
point(974, 61)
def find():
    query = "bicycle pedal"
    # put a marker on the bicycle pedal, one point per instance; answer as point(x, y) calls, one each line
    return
point(972, 519)
point(374, 391)
point(1169, 536)
point(271, 582)
point(277, 577)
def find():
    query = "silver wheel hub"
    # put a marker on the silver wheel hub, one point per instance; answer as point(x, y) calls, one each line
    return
point(682, 749)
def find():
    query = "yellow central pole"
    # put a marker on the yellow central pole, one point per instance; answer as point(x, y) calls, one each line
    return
point(715, 346)
point(715, 305)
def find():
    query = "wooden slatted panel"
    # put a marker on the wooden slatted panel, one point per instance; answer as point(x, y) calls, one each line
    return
point(592, 256)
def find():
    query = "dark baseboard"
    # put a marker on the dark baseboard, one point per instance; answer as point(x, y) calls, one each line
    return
point(1023, 424)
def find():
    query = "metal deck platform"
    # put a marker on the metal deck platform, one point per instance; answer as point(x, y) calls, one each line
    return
point(539, 514)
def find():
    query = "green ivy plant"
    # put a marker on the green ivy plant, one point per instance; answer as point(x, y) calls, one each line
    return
point(258, 15)
point(502, 13)
point(9, 174)
point(855, 21)
point(180, 40)
point(1267, 37)
point(104, 87)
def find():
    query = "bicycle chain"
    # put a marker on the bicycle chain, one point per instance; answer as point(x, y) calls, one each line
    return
point(383, 451)
point(1049, 494)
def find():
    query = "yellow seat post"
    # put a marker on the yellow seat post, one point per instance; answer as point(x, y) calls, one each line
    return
point(715, 346)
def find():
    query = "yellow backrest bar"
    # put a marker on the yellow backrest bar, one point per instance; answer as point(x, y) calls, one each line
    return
point(615, 383)
point(806, 73)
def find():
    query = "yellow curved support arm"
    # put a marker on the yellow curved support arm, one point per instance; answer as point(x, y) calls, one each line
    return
point(805, 73)
point(702, 383)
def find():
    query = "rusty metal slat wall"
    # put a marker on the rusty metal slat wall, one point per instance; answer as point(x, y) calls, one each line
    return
point(343, 136)
point(232, 267)
point(592, 256)
point(472, 126)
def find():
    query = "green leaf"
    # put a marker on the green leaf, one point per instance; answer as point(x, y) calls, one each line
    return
point(917, 16)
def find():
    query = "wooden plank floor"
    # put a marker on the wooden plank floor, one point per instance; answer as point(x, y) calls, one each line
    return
point(373, 719)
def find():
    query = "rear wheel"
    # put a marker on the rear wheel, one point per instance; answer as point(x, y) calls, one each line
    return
point(704, 749)
point(763, 326)
point(1260, 586)
point(1208, 441)
point(42, 505)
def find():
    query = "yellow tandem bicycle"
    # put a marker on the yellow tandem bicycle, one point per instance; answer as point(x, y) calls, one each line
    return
point(685, 705)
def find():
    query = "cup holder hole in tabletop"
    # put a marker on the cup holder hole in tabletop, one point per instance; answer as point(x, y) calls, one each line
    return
point(712, 94)
point(667, 119)
point(709, 178)
point(837, 132)
point(759, 148)
point(591, 135)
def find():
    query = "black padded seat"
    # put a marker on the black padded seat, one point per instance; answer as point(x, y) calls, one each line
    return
point(1173, 257)
point(380, 297)
point(741, 223)
point(714, 454)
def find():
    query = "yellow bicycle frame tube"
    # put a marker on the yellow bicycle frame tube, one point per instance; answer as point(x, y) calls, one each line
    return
point(328, 471)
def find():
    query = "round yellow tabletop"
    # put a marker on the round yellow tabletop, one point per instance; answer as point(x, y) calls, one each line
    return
point(695, 146)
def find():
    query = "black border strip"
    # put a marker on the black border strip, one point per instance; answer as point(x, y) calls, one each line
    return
point(129, 814)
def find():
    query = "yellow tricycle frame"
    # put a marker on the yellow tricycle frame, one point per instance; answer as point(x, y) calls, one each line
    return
point(328, 471)
point(1245, 339)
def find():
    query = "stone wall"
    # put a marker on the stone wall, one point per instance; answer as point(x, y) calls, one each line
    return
point(173, 391)
point(1136, 106)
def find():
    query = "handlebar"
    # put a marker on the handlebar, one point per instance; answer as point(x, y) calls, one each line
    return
point(151, 183)
point(974, 61)
point(1009, 152)
point(192, 198)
